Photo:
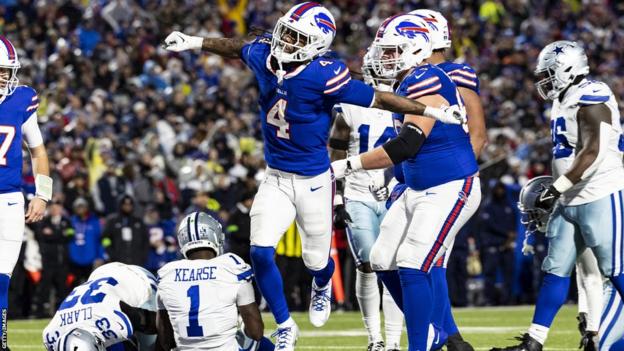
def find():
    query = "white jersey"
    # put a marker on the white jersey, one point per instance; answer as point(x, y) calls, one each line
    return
point(201, 298)
point(609, 176)
point(370, 128)
point(137, 286)
point(93, 306)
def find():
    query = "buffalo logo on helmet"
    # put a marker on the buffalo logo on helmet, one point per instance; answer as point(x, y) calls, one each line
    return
point(325, 23)
point(430, 20)
point(412, 30)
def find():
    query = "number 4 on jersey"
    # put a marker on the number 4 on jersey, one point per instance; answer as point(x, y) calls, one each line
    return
point(277, 117)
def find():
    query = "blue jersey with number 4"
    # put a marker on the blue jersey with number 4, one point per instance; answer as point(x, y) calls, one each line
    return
point(14, 112)
point(296, 113)
point(446, 154)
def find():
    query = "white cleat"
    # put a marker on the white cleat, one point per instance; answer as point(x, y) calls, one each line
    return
point(286, 338)
point(320, 304)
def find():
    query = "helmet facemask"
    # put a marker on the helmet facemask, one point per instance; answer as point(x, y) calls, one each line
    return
point(8, 79)
point(390, 60)
point(291, 45)
point(372, 79)
point(535, 219)
point(548, 85)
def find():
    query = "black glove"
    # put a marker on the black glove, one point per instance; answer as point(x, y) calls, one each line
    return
point(547, 198)
point(341, 217)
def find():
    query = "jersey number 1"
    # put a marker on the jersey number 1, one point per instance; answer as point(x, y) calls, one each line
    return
point(277, 117)
point(9, 134)
point(194, 329)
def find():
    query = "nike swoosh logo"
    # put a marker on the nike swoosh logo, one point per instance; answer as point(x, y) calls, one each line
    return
point(595, 91)
point(315, 189)
point(12, 203)
point(420, 75)
point(429, 193)
point(437, 339)
point(337, 71)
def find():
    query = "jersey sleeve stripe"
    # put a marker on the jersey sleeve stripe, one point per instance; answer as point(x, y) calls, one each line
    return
point(594, 98)
point(34, 98)
point(424, 83)
point(337, 87)
point(32, 107)
point(337, 78)
point(425, 92)
point(245, 275)
point(463, 81)
point(464, 73)
point(124, 318)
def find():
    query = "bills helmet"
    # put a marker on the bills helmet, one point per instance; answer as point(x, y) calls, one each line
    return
point(9, 63)
point(200, 230)
point(440, 33)
point(533, 217)
point(558, 65)
point(401, 42)
point(371, 78)
point(80, 339)
point(306, 31)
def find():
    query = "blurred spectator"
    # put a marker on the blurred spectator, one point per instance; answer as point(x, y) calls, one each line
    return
point(125, 236)
point(238, 228)
point(497, 234)
point(110, 187)
point(162, 238)
point(53, 234)
point(85, 248)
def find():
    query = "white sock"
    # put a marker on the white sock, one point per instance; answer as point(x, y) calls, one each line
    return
point(287, 323)
point(393, 320)
point(538, 332)
point(367, 293)
point(593, 289)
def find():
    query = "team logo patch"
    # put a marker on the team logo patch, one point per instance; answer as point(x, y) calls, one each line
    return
point(412, 30)
point(325, 23)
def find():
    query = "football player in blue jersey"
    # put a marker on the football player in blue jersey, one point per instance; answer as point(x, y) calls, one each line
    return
point(298, 88)
point(423, 221)
point(18, 124)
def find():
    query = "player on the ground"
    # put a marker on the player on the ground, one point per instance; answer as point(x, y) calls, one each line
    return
point(298, 88)
point(200, 297)
point(589, 279)
point(18, 125)
point(440, 170)
point(356, 130)
point(117, 302)
point(586, 196)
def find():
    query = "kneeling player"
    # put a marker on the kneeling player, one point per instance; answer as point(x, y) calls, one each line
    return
point(118, 301)
point(200, 297)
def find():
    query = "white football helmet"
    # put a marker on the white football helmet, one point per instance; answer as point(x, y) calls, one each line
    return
point(199, 230)
point(303, 33)
point(371, 78)
point(401, 42)
point(80, 339)
point(558, 65)
point(8, 61)
point(440, 33)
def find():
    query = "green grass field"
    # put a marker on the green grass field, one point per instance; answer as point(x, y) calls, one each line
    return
point(483, 327)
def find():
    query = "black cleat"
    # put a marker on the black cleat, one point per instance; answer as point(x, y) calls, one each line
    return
point(590, 341)
point(455, 342)
point(527, 344)
point(582, 325)
point(376, 346)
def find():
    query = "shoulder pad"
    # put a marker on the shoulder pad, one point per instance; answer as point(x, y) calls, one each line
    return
point(423, 81)
point(235, 265)
point(333, 74)
point(591, 92)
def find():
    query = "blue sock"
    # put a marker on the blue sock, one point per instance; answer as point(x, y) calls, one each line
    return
point(323, 276)
point(265, 345)
point(551, 297)
point(442, 313)
point(270, 281)
point(4, 305)
point(418, 306)
point(392, 282)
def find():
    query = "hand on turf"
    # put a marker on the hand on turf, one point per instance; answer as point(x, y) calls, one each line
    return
point(178, 41)
point(36, 210)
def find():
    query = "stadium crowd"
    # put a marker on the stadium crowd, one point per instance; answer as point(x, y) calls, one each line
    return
point(138, 136)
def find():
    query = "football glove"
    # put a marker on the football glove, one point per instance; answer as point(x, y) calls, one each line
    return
point(547, 198)
point(380, 191)
point(178, 41)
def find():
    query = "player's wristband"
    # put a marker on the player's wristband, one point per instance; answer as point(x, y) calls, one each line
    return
point(562, 184)
point(338, 200)
point(354, 163)
point(196, 42)
point(43, 186)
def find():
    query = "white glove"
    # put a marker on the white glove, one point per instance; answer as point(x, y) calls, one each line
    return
point(527, 249)
point(446, 114)
point(379, 189)
point(178, 41)
point(343, 168)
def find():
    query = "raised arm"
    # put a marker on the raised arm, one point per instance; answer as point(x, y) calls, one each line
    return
point(226, 47)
